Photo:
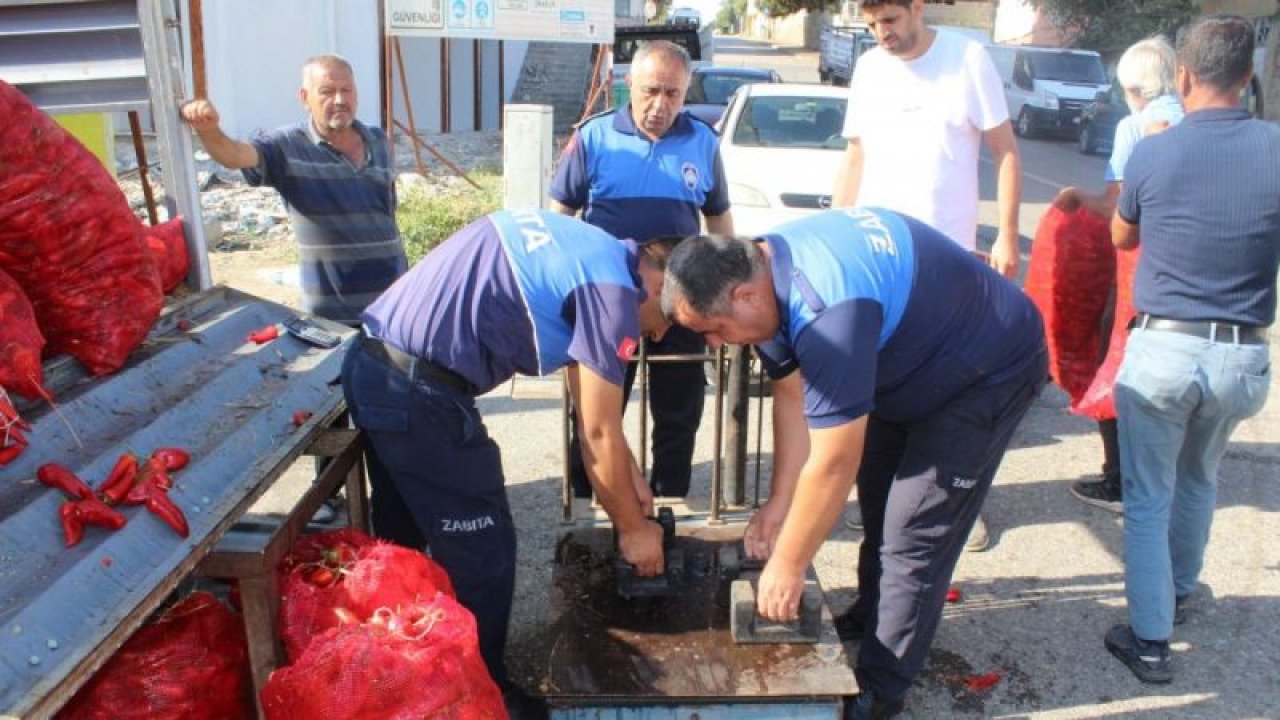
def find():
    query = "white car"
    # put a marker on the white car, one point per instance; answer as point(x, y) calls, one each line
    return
point(781, 145)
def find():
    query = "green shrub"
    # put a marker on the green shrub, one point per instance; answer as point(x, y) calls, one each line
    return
point(427, 218)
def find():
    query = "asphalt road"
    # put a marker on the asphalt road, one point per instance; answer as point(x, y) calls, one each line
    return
point(1036, 605)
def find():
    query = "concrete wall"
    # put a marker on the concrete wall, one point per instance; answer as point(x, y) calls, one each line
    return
point(253, 66)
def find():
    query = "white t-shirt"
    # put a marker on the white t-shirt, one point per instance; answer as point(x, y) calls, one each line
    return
point(921, 122)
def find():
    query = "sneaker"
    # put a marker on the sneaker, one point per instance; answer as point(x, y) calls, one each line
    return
point(522, 706)
point(866, 706)
point(849, 627)
point(978, 539)
point(1099, 493)
point(853, 515)
point(1180, 609)
point(1147, 659)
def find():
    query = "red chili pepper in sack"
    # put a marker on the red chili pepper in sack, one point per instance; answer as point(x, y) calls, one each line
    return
point(173, 459)
point(120, 481)
point(72, 524)
point(60, 478)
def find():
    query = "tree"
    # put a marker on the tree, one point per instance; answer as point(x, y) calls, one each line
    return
point(782, 8)
point(729, 19)
point(1110, 26)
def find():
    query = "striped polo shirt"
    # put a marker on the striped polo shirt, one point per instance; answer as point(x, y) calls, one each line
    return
point(343, 216)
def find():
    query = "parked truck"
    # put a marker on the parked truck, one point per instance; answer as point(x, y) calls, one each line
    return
point(839, 48)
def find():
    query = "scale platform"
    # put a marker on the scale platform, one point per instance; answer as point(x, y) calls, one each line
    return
point(606, 656)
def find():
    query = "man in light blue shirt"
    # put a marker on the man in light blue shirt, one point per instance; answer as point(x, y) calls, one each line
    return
point(1146, 72)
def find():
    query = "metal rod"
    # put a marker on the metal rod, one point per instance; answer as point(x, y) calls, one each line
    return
point(427, 146)
point(408, 106)
point(642, 375)
point(566, 487)
point(759, 435)
point(140, 150)
point(477, 86)
point(502, 82)
point(446, 87)
point(717, 459)
point(737, 391)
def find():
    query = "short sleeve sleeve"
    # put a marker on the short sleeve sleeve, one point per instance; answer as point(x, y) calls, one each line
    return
point(571, 184)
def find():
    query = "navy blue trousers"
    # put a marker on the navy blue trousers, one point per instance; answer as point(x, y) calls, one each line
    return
point(437, 482)
point(920, 487)
point(677, 392)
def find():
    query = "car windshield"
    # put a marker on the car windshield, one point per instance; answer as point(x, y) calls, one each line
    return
point(791, 122)
point(716, 88)
point(1068, 67)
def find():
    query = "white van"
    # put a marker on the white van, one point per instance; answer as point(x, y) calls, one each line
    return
point(1046, 88)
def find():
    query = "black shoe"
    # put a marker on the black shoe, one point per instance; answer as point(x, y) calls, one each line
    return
point(866, 706)
point(1148, 659)
point(1099, 493)
point(522, 706)
point(1180, 608)
point(849, 627)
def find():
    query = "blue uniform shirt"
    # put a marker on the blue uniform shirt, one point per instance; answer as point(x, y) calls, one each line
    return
point(517, 292)
point(633, 187)
point(882, 313)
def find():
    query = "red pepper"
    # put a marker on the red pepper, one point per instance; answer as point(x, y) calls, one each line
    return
point(173, 459)
point(120, 480)
point(264, 335)
point(72, 525)
point(11, 452)
point(60, 478)
point(149, 491)
point(95, 512)
point(300, 417)
point(162, 507)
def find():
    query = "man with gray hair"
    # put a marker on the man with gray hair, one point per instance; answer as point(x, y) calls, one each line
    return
point(899, 360)
point(337, 178)
point(1201, 200)
point(1145, 72)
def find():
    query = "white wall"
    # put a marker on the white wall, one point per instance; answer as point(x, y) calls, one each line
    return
point(254, 52)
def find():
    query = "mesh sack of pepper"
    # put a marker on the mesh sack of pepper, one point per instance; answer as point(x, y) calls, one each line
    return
point(1098, 402)
point(1069, 279)
point(69, 238)
point(190, 664)
point(168, 248)
point(346, 573)
point(419, 661)
point(20, 342)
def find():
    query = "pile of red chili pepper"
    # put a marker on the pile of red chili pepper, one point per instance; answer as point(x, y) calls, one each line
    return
point(129, 483)
point(12, 426)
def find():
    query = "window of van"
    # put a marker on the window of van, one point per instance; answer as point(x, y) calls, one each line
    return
point(1068, 67)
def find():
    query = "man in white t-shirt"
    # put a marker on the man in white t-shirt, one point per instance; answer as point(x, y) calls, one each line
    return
point(919, 104)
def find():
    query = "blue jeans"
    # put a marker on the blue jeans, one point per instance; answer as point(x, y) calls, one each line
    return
point(1178, 399)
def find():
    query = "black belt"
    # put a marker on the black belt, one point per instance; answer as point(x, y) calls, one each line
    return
point(1211, 331)
point(415, 368)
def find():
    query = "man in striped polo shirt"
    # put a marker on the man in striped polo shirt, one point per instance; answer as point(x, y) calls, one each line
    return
point(336, 177)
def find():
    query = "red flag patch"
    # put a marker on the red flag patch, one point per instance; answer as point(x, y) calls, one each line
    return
point(627, 349)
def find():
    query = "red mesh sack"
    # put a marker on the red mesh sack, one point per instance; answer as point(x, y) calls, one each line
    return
point(345, 575)
point(20, 342)
point(422, 661)
point(1098, 401)
point(1069, 280)
point(68, 237)
point(190, 664)
point(168, 248)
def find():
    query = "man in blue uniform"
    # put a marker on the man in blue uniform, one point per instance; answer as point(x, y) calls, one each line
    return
point(648, 171)
point(915, 363)
point(514, 292)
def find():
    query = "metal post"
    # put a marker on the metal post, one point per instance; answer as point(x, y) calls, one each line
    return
point(566, 487)
point(642, 376)
point(159, 29)
point(737, 388)
point(717, 458)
